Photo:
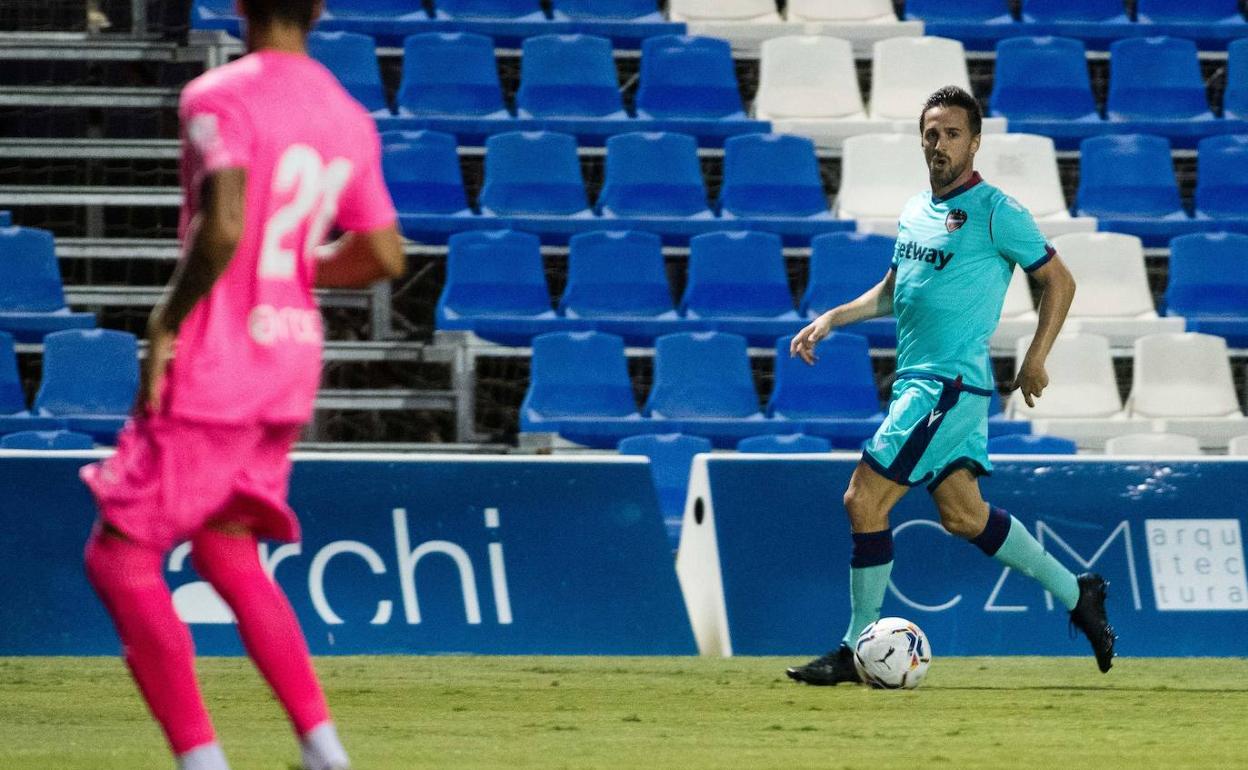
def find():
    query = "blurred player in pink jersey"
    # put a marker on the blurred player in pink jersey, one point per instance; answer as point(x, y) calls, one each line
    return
point(275, 156)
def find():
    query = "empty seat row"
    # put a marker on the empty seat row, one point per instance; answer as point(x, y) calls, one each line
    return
point(32, 299)
point(90, 378)
point(653, 182)
point(1042, 86)
point(627, 22)
point(579, 388)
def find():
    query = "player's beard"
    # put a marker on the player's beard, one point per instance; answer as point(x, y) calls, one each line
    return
point(943, 174)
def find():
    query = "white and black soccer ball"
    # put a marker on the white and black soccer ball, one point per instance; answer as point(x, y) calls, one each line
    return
point(892, 654)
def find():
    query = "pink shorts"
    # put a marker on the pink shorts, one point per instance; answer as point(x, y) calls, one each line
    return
point(170, 477)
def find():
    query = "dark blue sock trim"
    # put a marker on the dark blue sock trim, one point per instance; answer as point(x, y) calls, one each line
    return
point(871, 549)
point(993, 537)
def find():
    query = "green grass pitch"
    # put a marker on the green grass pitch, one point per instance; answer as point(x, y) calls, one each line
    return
point(652, 713)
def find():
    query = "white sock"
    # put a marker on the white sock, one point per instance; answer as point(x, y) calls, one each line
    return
point(206, 757)
point(321, 749)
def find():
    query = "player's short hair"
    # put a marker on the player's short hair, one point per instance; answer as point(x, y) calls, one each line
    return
point(952, 96)
point(263, 12)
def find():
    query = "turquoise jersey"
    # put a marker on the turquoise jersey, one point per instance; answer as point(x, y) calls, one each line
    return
point(954, 257)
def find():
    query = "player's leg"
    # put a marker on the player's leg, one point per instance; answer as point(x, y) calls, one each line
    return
point(964, 513)
point(868, 500)
point(226, 556)
point(157, 645)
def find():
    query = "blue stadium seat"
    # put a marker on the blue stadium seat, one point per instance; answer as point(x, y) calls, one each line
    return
point(979, 24)
point(1097, 23)
point(533, 174)
point(511, 10)
point(496, 287)
point(671, 455)
point(999, 424)
point(46, 439)
point(579, 388)
point(1235, 97)
point(689, 84)
point(620, 10)
point(423, 174)
point(1041, 85)
point(1209, 23)
point(6, 218)
point(836, 398)
point(32, 300)
point(1156, 87)
point(353, 60)
point(569, 76)
point(842, 267)
point(14, 416)
point(792, 443)
point(90, 378)
point(215, 14)
point(1208, 284)
point(618, 281)
point(738, 281)
point(627, 22)
point(1127, 182)
point(772, 182)
point(703, 386)
point(654, 182)
point(1222, 180)
point(1031, 445)
point(448, 77)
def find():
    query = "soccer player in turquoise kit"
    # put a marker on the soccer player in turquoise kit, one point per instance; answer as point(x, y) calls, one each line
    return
point(957, 246)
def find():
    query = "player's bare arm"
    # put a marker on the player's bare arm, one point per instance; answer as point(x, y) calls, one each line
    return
point(1057, 291)
point(357, 260)
point(212, 238)
point(874, 303)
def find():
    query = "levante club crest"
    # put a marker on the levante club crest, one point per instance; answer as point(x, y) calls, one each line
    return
point(955, 219)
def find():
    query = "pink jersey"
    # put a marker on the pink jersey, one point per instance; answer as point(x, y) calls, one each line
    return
point(250, 351)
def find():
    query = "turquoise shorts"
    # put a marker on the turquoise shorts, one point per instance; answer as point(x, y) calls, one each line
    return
point(934, 427)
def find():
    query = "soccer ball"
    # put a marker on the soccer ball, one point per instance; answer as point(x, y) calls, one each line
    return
point(892, 654)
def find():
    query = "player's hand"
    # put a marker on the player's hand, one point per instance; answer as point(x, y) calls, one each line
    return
point(159, 353)
point(803, 343)
point(1031, 381)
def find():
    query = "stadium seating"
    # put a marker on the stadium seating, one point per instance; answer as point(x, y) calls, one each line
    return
point(1019, 444)
point(423, 175)
point(579, 388)
point(654, 182)
point(808, 85)
point(617, 281)
point(570, 77)
point(1156, 87)
point(1184, 382)
point(1235, 97)
point(496, 287)
point(90, 378)
point(533, 175)
point(842, 267)
point(1222, 181)
point(703, 385)
point(46, 439)
point(906, 70)
point(1024, 166)
point(521, 10)
point(1082, 401)
point(737, 11)
point(791, 443)
point(879, 173)
point(861, 11)
point(32, 300)
point(450, 84)
point(1127, 182)
point(1238, 447)
point(1208, 284)
point(1096, 23)
point(692, 80)
point(750, 23)
point(771, 182)
point(1018, 314)
point(1211, 23)
point(836, 398)
point(616, 10)
point(1113, 299)
point(353, 60)
point(671, 456)
point(1152, 445)
point(1041, 85)
point(14, 416)
point(737, 280)
point(974, 21)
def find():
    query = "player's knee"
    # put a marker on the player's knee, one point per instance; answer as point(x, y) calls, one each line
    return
point(960, 521)
point(864, 512)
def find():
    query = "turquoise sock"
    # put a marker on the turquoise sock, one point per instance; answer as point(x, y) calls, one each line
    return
point(866, 594)
point(1024, 553)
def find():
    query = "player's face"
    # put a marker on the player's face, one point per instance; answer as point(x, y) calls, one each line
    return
point(948, 144)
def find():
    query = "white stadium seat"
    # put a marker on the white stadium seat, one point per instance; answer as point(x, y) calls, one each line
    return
point(747, 23)
point(862, 11)
point(1238, 446)
point(1183, 382)
point(879, 173)
point(1025, 167)
point(1113, 298)
point(906, 70)
point(755, 11)
point(1152, 445)
point(808, 85)
point(1018, 315)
